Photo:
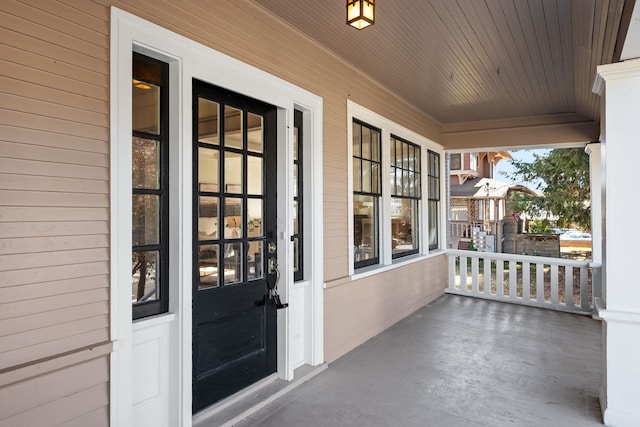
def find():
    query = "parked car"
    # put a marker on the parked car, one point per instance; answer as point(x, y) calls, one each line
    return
point(574, 235)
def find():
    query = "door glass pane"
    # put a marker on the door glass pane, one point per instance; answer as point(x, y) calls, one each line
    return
point(254, 175)
point(208, 218)
point(295, 180)
point(232, 262)
point(254, 258)
point(295, 217)
point(208, 266)
point(233, 218)
point(145, 103)
point(208, 169)
point(145, 158)
point(233, 172)
point(255, 133)
point(144, 280)
point(295, 143)
point(145, 221)
point(232, 127)
point(296, 254)
point(208, 121)
point(254, 213)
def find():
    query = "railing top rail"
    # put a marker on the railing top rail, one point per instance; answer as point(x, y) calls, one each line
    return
point(519, 258)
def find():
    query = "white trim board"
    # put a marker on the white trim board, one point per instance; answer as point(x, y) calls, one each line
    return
point(188, 60)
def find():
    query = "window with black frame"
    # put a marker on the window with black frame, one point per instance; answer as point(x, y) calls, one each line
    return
point(150, 187)
point(433, 172)
point(366, 194)
point(405, 196)
point(297, 237)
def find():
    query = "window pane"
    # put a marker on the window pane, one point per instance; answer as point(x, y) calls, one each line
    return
point(232, 172)
point(404, 225)
point(145, 158)
point(375, 178)
point(146, 219)
point(146, 107)
point(233, 218)
point(254, 213)
point(145, 280)
point(208, 169)
point(232, 127)
point(208, 218)
point(357, 175)
point(433, 224)
point(208, 266)
point(455, 162)
point(366, 176)
point(366, 142)
point(254, 175)
point(357, 137)
point(365, 226)
point(208, 121)
point(254, 260)
point(375, 145)
point(255, 135)
point(232, 263)
point(295, 217)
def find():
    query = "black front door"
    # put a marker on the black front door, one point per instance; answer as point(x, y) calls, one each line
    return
point(234, 229)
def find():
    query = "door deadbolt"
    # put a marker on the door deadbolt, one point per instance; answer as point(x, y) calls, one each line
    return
point(271, 247)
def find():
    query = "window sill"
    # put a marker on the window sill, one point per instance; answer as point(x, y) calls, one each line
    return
point(399, 262)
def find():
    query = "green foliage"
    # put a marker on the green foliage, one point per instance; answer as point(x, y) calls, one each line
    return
point(564, 176)
point(539, 226)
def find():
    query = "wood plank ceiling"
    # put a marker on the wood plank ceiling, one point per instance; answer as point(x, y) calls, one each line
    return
point(471, 60)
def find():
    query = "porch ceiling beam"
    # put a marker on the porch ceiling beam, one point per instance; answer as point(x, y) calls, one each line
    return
point(553, 130)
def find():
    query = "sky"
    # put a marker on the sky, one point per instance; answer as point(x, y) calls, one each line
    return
point(522, 155)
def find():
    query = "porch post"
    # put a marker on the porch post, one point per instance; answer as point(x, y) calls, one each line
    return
point(594, 150)
point(619, 85)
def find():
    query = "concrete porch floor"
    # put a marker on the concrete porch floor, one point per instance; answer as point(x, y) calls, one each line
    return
point(457, 362)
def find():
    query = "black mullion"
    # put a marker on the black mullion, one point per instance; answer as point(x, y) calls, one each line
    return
point(244, 249)
point(222, 122)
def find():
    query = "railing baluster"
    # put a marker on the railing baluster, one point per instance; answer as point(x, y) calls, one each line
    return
point(474, 275)
point(584, 288)
point(568, 286)
point(452, 271)
point(513, 279)
point(539, 282)
point(500, 277)
point(487, 276)
point(526, 281)
point(463, 273)
point(554, 284)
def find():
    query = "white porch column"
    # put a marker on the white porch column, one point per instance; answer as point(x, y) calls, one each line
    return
point(619, 85)
point(594, 150)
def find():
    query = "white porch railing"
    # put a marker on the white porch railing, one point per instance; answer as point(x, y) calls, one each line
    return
point(554, 283)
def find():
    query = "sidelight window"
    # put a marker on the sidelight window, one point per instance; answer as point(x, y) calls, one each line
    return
point(150, 187)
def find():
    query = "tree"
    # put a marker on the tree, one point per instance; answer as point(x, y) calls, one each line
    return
point(562, 176)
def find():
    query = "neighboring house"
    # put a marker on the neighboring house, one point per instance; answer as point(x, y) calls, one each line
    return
point(477, 201)
point(196, 196)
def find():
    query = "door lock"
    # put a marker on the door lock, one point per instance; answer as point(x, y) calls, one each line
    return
point(272, 266)
point(271, 247)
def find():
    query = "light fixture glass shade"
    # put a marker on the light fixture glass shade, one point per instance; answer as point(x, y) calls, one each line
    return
point(360, 13)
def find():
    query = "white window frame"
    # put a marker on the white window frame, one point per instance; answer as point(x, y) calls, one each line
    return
point(387, 128)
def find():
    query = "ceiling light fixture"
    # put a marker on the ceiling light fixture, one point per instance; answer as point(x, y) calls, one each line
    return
point(360, 13)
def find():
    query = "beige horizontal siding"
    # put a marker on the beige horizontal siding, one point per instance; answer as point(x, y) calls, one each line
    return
point(75, 395)
point(355, 311)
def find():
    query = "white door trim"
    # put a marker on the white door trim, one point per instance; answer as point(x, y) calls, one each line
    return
point(189, 60)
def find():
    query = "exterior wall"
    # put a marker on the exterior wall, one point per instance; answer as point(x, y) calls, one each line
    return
point(54, 201)
point(358, 310)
